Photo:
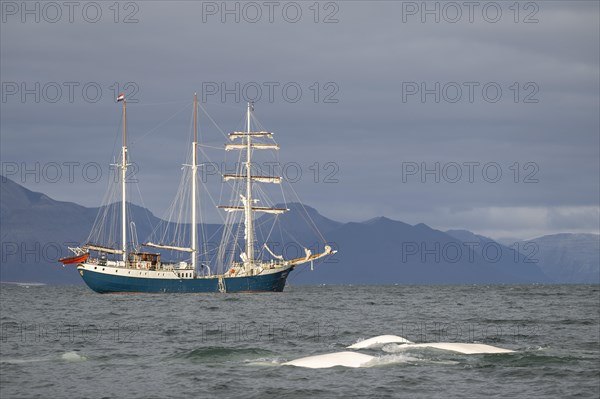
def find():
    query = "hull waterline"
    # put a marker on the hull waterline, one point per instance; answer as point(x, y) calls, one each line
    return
point(109, 283)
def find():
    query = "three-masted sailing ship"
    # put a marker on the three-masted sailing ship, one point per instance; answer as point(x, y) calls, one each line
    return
point(106, 269)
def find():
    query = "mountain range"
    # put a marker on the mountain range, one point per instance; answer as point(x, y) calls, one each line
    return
point(35, 231)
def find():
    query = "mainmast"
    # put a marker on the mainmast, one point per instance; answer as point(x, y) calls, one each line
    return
point(123, 177)
point(248, 203)
point(194, 171)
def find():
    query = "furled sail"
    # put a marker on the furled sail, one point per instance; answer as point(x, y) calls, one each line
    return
point(262, 179)
point(100, 248)
point(171, 247)
point(236, 135)
point(229, 147)
point(254, 209)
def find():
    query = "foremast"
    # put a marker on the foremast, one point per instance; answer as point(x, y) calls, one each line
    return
point(248, 255)
point(248, 202)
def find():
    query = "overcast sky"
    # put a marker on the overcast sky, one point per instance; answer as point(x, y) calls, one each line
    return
point(499, 101)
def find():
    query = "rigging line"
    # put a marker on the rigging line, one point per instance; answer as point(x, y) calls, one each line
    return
point(145, 104)
point(280, 232)
point(222, 251)
point(235, 238)
point(101, 210)
point(187, 154)
point(256, 121)
point(202, 234)
point(146, 211)
point(212, 200)
point(169, 216)
point(104, 230)
point(160, 124)
point(224, 105)
point(222, 187)
point(182, 209)
point(213, 121)
point(272, 228)
point(214, 147)
point(203, 227)
point(233, 186)
point(314, 225)
point(129, 220)
point(292, 236)
point(98, 228)
point(118, 133)
point(205, 155)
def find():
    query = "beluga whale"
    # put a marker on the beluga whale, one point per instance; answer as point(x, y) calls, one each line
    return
point(345, 359)
point(402, 343)
point(391, 343)
point(379, 341)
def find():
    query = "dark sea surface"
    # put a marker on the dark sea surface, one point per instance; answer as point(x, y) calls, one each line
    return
point(60, 342)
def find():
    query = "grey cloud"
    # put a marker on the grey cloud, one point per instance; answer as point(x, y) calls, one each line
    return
point(368, 133)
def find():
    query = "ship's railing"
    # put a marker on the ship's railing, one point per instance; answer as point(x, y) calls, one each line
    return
point(142, 265)
point(237, 268)
point(106, 262)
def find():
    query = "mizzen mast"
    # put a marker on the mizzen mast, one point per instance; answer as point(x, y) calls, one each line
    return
point(123, 178)
point(193, 248)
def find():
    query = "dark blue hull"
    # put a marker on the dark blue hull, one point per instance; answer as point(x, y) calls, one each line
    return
point(106, 283)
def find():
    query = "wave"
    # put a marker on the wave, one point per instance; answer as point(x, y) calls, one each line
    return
point(216, 353)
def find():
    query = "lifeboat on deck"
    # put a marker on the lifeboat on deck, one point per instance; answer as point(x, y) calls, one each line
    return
point(69, 260)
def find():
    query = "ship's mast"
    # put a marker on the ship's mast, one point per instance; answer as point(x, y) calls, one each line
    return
point(248, 203)
point(123, 190)
point(248, 207)
point(194, 171)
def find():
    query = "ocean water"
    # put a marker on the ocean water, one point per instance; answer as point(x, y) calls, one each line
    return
point(59, 342)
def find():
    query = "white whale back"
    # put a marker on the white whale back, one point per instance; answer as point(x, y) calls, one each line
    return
point(379, 341)
point(467, 349)
point(346, 359)
point(355, 359)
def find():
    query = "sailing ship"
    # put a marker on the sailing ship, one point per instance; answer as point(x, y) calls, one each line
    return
point(139, 271)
